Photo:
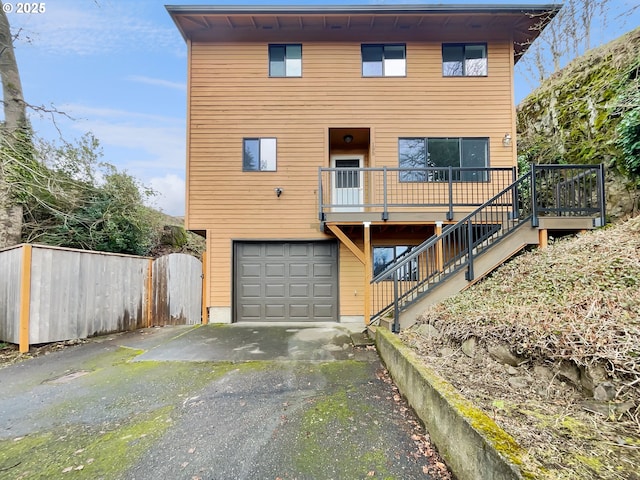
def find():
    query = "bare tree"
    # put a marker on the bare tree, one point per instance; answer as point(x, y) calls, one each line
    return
point(569, 35)
point(14, 131)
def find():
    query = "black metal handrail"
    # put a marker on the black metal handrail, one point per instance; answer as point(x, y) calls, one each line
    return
point(527, 198)
point(404, 189)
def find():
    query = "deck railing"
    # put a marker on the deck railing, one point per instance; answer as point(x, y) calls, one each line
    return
point(386, 189)
point(552, 190)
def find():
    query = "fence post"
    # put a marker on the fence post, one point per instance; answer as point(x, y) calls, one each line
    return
point(150, 292)
point(205, 311)
point(601, 195)
point(534, 200)
point(368, 271)
point(450, 213)
point(470, 274)
point(25, 298)
point(385, 208)
point(395, 328)
point(320, 198)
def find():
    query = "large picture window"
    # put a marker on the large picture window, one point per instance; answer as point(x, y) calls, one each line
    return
point(384, 61)
point(259, 155)
point(385, 256)
point(285, 60)
point(464, 59)
point(441, 153)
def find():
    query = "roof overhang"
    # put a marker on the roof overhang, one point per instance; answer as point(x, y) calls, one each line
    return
point(366, 23)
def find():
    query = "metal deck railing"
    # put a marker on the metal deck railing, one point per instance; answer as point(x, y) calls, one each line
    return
point(547, 190)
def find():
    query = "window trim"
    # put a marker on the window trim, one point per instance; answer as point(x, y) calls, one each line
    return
point(464, 58)
point(382, 61)
point(284, 45)
point(404, 174)
point(260, 141)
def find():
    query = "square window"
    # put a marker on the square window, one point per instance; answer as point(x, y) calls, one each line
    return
point(464, 60)
point(384, 61)
point(259, 155)
point(285, 60)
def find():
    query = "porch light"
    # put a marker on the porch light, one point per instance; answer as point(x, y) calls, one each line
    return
point(348, 138)
point(506, 140)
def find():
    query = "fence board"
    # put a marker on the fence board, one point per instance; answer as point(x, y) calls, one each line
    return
point(10, 273)
point(78, 294)
point(177, 290)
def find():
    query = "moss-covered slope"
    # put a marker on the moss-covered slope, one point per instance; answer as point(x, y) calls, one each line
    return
point(574, 117)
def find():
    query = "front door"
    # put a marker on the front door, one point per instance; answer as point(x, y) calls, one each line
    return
point(347, 193)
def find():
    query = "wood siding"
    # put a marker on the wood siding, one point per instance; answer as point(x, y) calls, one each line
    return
point(231, 97)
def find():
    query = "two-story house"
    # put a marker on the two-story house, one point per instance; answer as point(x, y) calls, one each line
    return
point(325, 143)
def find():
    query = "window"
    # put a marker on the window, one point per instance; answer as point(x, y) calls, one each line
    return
point(441, 153)
point(259, 155)
point(285, 60)
point(464, 59)
point(385, 256)
point(383, 61)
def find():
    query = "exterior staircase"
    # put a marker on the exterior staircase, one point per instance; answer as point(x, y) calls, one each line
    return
point(565, 198)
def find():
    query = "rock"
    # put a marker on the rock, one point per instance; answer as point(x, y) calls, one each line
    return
point(427, 330)
point(469, 347)
point(625, 407)
point(543, 373)
point(446, 352)
point(597, 407)
point(512, 370)
point(592, 376)
point(502, 354)
point(518, 382)
point(570, 372)
point(605, 392)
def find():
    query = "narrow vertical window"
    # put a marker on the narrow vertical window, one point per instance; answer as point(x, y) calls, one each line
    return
point(259, 155)
point(285, 60)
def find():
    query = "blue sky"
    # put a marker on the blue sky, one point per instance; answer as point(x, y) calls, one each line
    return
point(118, 68)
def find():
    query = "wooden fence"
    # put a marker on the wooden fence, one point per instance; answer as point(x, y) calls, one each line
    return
point(50, 294)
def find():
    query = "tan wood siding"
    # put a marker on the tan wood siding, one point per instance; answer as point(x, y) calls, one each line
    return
point(231, 97)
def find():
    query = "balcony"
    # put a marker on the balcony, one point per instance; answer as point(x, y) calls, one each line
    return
point(406, 194)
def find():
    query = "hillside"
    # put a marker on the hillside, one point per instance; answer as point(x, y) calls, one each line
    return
point(575, 117)
point(549, 346)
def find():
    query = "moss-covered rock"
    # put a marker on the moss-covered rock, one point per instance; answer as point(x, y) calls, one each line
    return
point(573, 117)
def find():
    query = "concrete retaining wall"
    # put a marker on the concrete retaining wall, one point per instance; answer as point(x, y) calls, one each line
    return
point(472, 445)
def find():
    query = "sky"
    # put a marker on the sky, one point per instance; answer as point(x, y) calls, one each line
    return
point(117, 68)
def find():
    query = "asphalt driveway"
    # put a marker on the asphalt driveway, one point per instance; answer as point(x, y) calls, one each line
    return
point(209, 402)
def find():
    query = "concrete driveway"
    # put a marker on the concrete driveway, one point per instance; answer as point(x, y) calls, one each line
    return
point(209, 402)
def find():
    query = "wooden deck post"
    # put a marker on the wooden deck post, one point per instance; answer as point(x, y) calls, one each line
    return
point(205, 312)
point(439, 253)
point(368, 271)
point(543, 238)
point(25, 298)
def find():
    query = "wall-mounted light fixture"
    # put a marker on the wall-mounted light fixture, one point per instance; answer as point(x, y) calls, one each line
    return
point(506, 140)
point(348, 138)
point(278, 191)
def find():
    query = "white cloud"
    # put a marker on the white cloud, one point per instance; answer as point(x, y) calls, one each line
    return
point(86, 28)
point(158, 82)
point(170, 196)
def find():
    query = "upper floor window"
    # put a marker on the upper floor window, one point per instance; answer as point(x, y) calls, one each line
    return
point(464, 59)
point(259, 155)
point(438, 154)
point(384, 60)
point(285, 60)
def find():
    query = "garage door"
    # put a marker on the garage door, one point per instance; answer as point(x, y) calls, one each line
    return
point(286, 281)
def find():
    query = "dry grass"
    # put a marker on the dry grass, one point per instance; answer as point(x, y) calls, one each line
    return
point(578, 300)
